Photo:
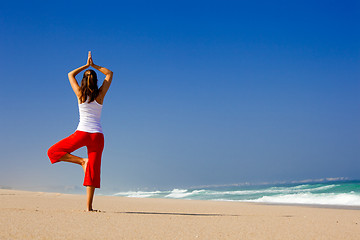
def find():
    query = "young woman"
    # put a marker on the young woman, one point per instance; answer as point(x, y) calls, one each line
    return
point(88, 133)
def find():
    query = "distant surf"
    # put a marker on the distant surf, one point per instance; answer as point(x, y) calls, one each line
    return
point(338, 193)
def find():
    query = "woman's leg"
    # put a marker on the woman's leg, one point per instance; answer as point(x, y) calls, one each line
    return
point(75, 159)
point(90, 196)
point(92, 173)
point(62, 149)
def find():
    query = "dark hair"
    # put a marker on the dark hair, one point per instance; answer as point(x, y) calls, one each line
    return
point(89, 87)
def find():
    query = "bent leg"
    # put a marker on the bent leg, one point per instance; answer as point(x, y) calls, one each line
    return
point(75, 159)
point(61, 150)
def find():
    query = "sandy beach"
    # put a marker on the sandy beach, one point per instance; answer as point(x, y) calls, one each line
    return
point(38, 215)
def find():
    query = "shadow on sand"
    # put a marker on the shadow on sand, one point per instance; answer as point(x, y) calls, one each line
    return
point(182, 214)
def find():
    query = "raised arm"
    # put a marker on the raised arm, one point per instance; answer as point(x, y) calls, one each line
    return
point(71, 75)
point(108, 79)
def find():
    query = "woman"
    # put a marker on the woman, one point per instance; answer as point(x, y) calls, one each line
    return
point(89, 132)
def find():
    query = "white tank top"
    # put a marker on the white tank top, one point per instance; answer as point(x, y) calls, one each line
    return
point(90, 114)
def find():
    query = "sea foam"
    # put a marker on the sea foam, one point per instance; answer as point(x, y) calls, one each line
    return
point(138, 194)
point(347, 199)
point(345, 193)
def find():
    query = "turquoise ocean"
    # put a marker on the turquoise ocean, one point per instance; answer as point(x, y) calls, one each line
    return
point(317, 192)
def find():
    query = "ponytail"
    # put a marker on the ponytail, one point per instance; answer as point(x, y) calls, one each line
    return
point(88, 83)
point(89, 88)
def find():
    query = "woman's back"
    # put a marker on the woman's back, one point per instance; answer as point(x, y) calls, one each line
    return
point(90, 116)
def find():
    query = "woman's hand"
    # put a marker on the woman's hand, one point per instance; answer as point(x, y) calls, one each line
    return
point(89, 60)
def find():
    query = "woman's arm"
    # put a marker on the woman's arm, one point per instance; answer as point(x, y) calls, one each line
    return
point(71, 75)
point(108, 79)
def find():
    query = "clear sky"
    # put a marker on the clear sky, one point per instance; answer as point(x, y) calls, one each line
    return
point(204, 92)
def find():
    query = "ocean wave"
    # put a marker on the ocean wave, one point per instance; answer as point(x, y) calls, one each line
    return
point(302, 188)
point(213, 194)
point(273, 190)
point(183, 193)
point(138, 194)
point(346, 193)
point(348, 199)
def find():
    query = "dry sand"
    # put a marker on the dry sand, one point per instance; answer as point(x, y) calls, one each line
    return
point(37, 215)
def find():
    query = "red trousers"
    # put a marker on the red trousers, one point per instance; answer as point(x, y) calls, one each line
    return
point(95, 145)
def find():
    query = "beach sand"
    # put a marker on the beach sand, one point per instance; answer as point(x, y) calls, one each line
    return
point(38, 215)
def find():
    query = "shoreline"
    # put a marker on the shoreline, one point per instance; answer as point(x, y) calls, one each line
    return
point(310, 205)
point(44, 215)
point(329, 206)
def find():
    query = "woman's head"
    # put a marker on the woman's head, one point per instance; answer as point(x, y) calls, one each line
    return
point(89, 87)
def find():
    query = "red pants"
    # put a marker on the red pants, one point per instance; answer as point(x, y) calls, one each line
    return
point(95, 145)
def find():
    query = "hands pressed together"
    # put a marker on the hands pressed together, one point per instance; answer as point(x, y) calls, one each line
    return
point(89, 60)
point(107, 81)
point(103, 70)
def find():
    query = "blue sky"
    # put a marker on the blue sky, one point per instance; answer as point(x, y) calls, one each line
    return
point(204, 92)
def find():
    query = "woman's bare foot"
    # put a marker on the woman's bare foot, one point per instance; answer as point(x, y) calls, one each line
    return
point(93, 210)
point(84, 164)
